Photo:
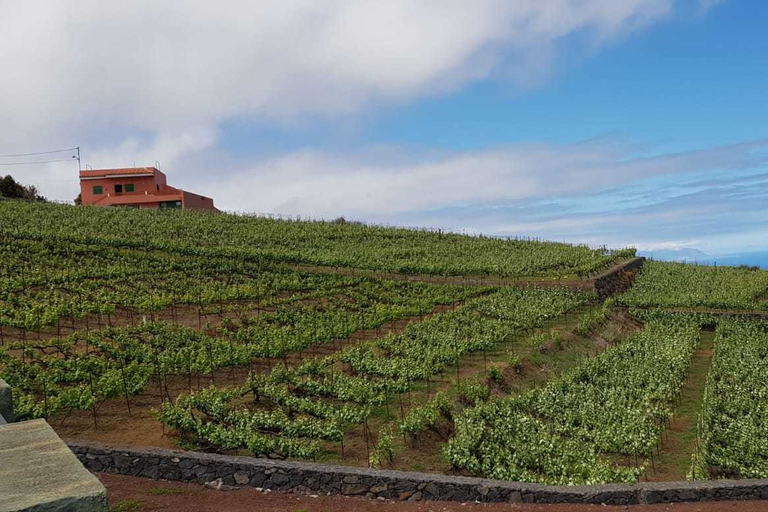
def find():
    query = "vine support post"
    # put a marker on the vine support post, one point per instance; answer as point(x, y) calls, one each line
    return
point(93, 397)
point(125, 386)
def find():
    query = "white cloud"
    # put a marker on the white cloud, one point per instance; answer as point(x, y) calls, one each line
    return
point(144, 81)
point(86, 65)
point(381, 184)
point(386, 183)
point(596, 192)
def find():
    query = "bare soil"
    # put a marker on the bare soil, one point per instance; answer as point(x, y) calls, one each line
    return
point(127, 493)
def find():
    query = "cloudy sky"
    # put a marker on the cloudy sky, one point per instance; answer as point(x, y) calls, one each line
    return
point(631, 122)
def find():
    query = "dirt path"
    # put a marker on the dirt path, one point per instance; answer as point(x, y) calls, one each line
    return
point(680, 438)
point(127, 493)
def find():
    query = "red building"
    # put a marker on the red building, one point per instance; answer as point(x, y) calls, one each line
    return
point(136, 187)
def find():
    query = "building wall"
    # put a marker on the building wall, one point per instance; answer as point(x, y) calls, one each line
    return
point(144, 186)
point(141, 185)
point(197, 202)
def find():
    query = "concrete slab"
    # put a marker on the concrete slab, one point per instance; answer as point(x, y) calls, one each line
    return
point(39, 473)
point(6, 401)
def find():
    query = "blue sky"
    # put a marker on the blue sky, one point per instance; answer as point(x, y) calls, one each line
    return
point(690, 81)
point(639, 122)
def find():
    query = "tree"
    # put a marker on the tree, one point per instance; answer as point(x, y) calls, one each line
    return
point(12, 189)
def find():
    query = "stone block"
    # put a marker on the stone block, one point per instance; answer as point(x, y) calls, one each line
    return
point(40, 473)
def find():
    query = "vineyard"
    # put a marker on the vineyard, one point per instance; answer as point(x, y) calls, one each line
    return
point(732, 430)
point(330, 244)
point(681, 285)
point(252, 335)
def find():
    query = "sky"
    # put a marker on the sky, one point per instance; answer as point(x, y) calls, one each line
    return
point(620, 123)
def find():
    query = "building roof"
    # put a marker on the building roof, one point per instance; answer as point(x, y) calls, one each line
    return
point(128, 171)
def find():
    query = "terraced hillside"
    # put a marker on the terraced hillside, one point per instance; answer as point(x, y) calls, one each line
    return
point(305, 340)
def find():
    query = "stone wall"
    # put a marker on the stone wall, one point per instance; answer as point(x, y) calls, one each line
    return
point(224, 472)
point(617, 280)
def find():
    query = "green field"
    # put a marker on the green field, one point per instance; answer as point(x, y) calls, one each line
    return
point(263, 337)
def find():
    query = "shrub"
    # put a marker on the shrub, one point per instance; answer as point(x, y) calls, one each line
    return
point(426, 416)
point(472, 391)
point(495, 373)
point(384, 451)
point(514, 362)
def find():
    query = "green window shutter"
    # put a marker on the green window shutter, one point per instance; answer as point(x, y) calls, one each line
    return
point(129, 187)
point(98, 190)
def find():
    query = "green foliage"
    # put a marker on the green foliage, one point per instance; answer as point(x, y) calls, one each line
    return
point(732, 433)
point(592, 320)
point(162, 491)
point(427, 416)
point(614, 403)
point(538, 340)
point(317, 401)
point(58, 374)
point(11, 189)
point(471, 391)
point(662, 284)
point(127, 506)
point(384, 449)
point(495, 374)
point(263, 239)
point(514, 362)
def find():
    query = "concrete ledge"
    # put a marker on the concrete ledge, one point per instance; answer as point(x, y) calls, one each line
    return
point(39, 473)
point(222, 471)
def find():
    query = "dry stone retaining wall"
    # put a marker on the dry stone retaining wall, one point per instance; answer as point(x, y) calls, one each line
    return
point(223, 472)
point(618, 279)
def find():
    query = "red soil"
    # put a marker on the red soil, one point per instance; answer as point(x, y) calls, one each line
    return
point(155, 496)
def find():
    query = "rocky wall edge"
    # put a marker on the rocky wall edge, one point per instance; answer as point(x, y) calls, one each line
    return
point(224, 471)
point(618, 279)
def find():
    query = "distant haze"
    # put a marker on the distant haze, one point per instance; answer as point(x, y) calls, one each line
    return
point(691, 255)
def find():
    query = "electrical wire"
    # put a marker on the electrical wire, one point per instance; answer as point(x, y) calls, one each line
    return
point(39, 153)
point(39, 162)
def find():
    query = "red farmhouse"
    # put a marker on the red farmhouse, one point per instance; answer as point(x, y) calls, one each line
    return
point(143, 187)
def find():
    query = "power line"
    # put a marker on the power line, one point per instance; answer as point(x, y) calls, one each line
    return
point(39, 153)
point(40, 162)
